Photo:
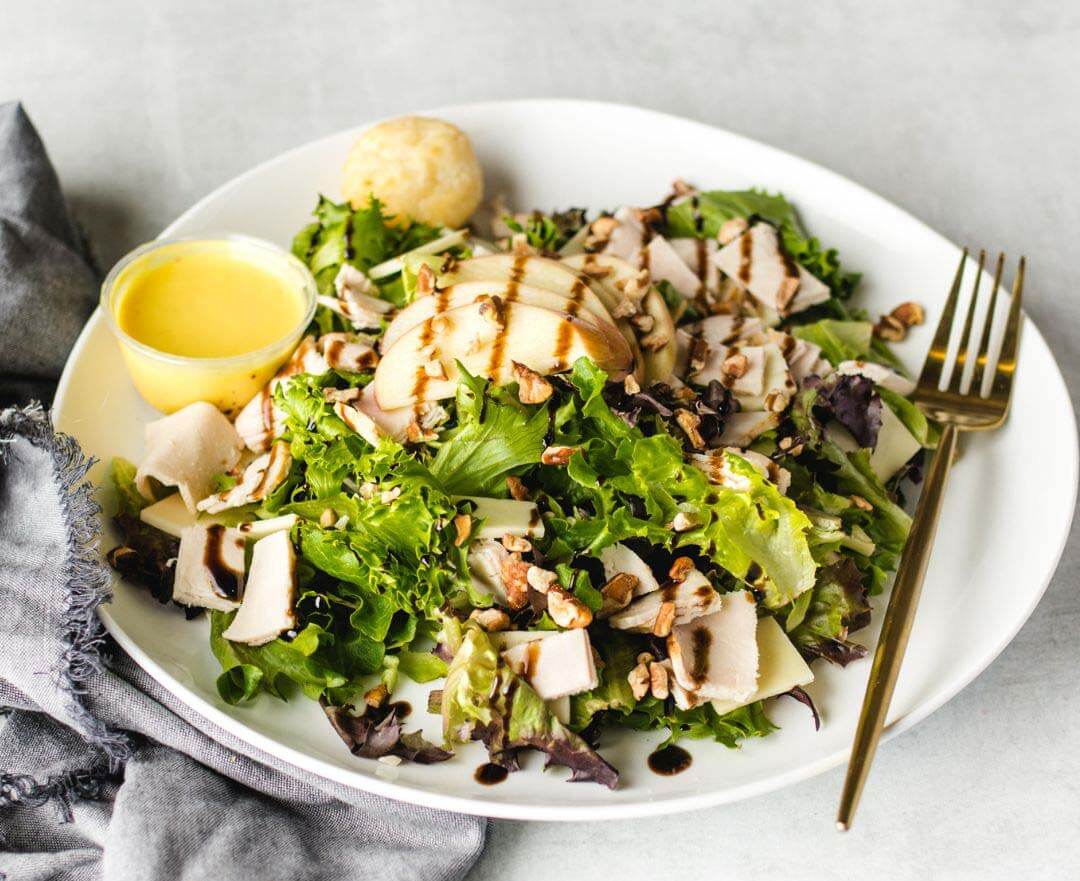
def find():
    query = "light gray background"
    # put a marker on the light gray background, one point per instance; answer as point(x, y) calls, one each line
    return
point(966, 114)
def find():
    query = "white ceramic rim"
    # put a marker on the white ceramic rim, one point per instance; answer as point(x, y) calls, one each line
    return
point(520, 810)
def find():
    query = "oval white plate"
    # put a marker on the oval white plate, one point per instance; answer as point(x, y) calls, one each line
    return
point(1006, 516)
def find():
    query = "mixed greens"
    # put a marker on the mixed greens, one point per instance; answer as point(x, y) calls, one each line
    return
point(645, 499)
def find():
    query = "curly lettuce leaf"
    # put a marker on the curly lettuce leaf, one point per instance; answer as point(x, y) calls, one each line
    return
point(839, 340)
point(837, 607)
point(270, 667)
point(495, 436)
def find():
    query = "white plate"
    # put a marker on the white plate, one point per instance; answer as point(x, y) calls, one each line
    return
point(1006, 515)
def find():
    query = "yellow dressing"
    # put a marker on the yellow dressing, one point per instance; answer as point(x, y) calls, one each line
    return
point(207, 303)
point(207, 320)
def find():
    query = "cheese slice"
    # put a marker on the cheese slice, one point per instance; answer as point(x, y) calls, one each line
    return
point(895, 445)
point(506, 516)
point(780, 666)
point(171, 516)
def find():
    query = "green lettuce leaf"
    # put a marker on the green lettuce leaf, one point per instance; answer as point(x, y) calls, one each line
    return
point(270, 667)
point(839, 340)
point(837, 607)
point(495, 436)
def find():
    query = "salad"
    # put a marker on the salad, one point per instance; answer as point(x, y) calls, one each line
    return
point(637, 468)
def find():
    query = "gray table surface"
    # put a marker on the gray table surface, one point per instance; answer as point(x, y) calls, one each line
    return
point(965, 114)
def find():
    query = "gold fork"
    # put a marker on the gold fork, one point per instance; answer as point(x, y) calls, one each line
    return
point(959, 407)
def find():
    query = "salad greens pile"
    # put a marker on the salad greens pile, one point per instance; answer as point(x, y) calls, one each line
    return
point(384, 587)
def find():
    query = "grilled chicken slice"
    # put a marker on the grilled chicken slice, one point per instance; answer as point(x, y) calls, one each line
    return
point(267, 609)
point(558, 666)
point(716, 656)
point(261, 478)
point(665, 264)
point(186, 450)
point(210, 568)
point(805, 360)
point(693, 597)
point(627, 238)
point(487, 338)
point(347, 351)
point(757, 262)
point(697, 254)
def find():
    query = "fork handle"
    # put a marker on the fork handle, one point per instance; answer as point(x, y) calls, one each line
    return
point(896, 627)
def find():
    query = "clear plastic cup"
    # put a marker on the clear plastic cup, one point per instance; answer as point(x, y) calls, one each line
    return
point(168, 381)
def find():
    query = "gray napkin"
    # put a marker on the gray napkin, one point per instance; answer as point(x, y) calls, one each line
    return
point(103, 773)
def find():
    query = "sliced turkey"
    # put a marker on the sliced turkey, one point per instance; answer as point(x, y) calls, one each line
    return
point(697, 254)
point(716, 656)
point(261, 478)
point(210, 568)
point(186, 450)
point(267, 609)
point(665, 264)
point(693, 597)
point(559, 665)
point(757, 261)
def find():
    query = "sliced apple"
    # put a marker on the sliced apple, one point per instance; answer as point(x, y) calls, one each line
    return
point(583, 302)
point(487, 339)
point(553, 275)
point(620, 278)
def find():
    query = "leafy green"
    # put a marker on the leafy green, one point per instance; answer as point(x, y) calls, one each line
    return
point(921, 428)
point(363, 237)
point(247, 669)
point(548, 232)
point(495, 436)
point(618, 651)
point(838, 606)
point(128, 499)
point(701, 722)
point(839, 340)
point(421, 666)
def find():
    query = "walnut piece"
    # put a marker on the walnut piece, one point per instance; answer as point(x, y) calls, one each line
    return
point(557, 455)
point(491, 620)
point(658, 681)
point(640, 681)
point(532, 387)
point(682, 567)
point(665, 618)
point(517, 489)
point(567, 610)
point(909, 314)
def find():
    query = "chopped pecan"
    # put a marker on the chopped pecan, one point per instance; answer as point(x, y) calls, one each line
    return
point(617, 593)
point(630, 385)
point(682, 567)
point(517, 489)
point(514, 572)
point(735, 365)
point(909, 314)
point(541, 580)
point(890, 329)
point(516, 543)
point(690, 423)
point(639, 681)
point(861, 503)
point(658, 681)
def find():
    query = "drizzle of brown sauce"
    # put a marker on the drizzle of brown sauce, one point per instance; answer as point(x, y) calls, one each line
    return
point(699, 221)
point(498, 345)
point(669, 761)
point(746, 249)
point(700, 640)
point(566, 328)
point(489, 774)
point(401, 709)
point(669, 590)
point(226, 581)
point(701, 254)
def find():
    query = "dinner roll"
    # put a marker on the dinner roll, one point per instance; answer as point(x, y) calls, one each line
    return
point(420, 168)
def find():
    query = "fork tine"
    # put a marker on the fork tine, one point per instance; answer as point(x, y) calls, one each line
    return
point(956, 378)
point(930, 377)
point(1006, 365)
point(983, 355)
